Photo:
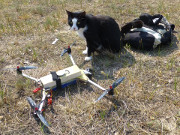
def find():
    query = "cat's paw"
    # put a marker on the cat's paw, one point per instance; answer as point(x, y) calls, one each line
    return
point(88, 58)
point(84, 52)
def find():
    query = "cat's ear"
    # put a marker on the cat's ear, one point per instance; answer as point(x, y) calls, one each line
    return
point(69, 13)
point(83, 14)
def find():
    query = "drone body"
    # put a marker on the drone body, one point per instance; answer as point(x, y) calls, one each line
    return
point(66, 75)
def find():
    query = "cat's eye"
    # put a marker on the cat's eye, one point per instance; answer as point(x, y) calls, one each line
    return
point(71, 22)
point(78, 22)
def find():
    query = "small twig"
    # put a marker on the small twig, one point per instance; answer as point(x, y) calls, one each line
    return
point(138, 128)
point(124, 130)
point(125, 105)
point(30, 113)
point(161, 127)
point(18, 118)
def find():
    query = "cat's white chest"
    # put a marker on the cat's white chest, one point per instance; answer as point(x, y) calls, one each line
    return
point(81, 32)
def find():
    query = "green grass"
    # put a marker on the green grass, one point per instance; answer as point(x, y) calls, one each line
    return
point(147, 102)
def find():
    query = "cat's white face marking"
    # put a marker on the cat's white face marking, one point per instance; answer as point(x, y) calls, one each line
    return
point(80, 31)
point(74, 25)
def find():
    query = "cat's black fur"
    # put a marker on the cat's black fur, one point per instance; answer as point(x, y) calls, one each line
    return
point(101, 31)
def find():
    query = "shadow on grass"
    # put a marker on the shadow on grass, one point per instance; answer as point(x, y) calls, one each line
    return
point(164, 50)
point(117, 105)
point(72, 89)
point(161, 50)
point(106, 64)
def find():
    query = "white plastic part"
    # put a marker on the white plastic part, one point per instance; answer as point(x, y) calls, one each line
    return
point(32, 78)
point(43, 100)
point(72, 60)
point(97, 85)
point(66, 75)
point(54, 42)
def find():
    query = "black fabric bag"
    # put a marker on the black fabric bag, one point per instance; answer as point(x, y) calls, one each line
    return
point(153, 31)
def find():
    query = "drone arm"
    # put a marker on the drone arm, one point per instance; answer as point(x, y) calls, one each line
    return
point(95, 84)
point(32, 78)
point(72, 60)
point(68, 50)
point(104, 93)
point(105, 90)
point(44, 94)
point(87, 72)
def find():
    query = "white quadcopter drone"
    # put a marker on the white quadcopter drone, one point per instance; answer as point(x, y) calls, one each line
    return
point(58, 80)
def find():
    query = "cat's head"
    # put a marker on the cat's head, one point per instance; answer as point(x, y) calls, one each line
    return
point(76, 20)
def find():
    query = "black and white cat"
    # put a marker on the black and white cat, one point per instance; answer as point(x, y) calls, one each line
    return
point(100, 32)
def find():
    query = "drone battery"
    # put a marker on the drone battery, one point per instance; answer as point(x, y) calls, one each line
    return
point(66, 75)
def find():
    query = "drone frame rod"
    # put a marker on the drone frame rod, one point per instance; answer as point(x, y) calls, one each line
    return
point(97, 85)
point(44, 94)
point(72, 60)
point(87, 72)
point(32, 78)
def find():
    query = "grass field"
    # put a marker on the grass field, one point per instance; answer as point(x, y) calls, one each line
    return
point(146, 103)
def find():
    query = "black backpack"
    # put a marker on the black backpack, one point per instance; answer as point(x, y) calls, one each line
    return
point(147, 32)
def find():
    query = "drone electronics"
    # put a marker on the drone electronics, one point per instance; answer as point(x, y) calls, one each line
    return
point(58, 80)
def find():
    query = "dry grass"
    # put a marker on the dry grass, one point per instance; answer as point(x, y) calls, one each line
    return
point(147, 102)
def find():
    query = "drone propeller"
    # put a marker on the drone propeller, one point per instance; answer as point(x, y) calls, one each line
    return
point(111, 89)
point(22, 68)
point(39, 114)
point(25, 68)
point(43, 120)
point(117, 82)
point(64, 51)
point(31, 102)
point(68, 49)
